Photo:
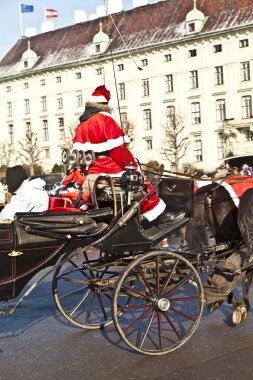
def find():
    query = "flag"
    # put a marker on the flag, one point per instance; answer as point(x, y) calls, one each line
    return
point(26, 8)
point(51, 13)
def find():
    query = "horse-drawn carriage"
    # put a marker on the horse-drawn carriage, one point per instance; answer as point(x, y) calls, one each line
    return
point(109, 269)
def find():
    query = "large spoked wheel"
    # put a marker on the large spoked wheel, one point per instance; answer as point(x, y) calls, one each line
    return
point(164, 302)
point(82, 288)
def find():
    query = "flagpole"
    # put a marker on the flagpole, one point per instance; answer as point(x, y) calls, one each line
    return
point(20, 19)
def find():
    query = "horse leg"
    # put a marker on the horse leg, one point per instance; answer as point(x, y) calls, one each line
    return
point(241, 308)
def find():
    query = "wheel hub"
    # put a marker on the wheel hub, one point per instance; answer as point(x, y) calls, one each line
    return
point(163, 304)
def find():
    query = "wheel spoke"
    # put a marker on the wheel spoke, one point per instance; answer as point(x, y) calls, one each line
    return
point(190, 298)
point(90, 307)
point(102, 307)
point(145, 280)
point(183, 314)
point(172, 325)
point(157, 274)
point(147, 328)
point(80, 303)
point(168, 279)
point(180, 284)
point(139, 319)
point(159, 320)
point(141, 294)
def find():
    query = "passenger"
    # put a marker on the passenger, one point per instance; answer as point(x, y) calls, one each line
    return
point(245, 170)
point(28, 194)
point(98, 131)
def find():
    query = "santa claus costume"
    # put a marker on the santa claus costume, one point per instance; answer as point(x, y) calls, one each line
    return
point(99, 132)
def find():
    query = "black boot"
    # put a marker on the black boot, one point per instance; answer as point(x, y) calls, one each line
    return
point(169, 217)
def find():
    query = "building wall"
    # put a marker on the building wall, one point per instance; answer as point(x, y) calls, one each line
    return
point(207, 93)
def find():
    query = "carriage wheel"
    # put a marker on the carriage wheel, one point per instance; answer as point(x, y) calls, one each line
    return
point(83, 288)
point(164, 302)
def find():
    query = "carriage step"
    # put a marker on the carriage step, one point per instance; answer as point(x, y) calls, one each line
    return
point(157, 234)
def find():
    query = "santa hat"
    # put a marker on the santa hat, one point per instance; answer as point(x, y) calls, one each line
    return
point(15, 177)
point(100, 95)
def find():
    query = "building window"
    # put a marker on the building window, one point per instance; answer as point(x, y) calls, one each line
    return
point(167, 58)
point(248, 135)
point(120, 67)
point(195, 113)
point(192, 53)
point(97, 48)
point(11, 133)
point(99, 71)
point(79, 98)
point(194, 82)
point(244, 43)
point(59, 101)
point(144, 62)
point(47, 153)
point(197, 150)
point(28, 128)
point(169, 83)
point(9, 108)
point(25, 64)
point(123, 119)
point(191, 27)
point(145, 87)
point(8, 89)
point(246, 107)
point(78, 75)
point(61, 128)
point(42, 82)
point(217, 48)
point(220, 110)
point(43, 103)
point(245, 71)
point(147, 124)
point(122, 92)
point(26, 85)
point(27, 106)
point(218, 75)
point(170, 115)
point(45, 132)
point(149, 145)
point(58, 79)
point(221, 146)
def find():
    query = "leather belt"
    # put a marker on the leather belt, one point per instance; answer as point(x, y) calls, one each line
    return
point(102, 154)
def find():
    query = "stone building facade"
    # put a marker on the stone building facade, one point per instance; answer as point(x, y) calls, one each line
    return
point(176, 57)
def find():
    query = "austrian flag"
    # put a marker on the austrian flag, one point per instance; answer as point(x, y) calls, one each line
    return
point(51, 13)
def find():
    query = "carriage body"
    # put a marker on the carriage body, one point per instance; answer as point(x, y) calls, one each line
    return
point(127, 261)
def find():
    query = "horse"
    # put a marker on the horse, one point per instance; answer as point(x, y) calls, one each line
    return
point(216, 208)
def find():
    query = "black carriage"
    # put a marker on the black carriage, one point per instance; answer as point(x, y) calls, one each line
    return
point(108, 269)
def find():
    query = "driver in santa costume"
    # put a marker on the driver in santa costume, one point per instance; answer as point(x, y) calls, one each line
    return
point(99, 132)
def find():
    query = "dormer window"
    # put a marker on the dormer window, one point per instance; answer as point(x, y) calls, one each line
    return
point(29, 58)
point(101, 41)
point(195, 20)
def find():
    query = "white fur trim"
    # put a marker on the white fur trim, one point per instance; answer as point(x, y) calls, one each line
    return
point(97, 99)
point(156, 211)
point(101, 147)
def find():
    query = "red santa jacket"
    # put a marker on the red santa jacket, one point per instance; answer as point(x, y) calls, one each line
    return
point(103, 135)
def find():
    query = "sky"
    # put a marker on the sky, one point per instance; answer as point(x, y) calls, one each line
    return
point(10, 26)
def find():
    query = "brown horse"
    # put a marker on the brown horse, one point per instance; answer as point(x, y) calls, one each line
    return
point(214, 208)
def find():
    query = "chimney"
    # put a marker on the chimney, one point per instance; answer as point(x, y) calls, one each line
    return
point(115, 6)
point(139, 3)
point(29, 32)
point(101, 12)
point(47, 26)
point(79, 16)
